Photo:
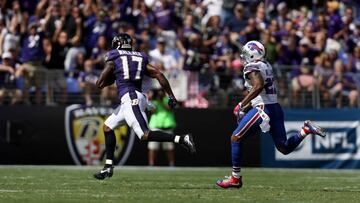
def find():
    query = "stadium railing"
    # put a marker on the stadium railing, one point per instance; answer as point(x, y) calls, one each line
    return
point(66, 88)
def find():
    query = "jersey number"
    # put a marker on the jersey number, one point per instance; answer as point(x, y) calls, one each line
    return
point(269, 86)
point(125, 63)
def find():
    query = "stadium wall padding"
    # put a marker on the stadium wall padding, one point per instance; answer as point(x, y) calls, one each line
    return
point(36, 135)
point(339, 149)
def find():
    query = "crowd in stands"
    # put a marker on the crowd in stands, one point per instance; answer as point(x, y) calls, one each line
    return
point(51, 50)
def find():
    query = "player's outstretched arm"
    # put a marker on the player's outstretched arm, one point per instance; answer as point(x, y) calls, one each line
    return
point(257, 83)
point(153, 72)
point(106, 78)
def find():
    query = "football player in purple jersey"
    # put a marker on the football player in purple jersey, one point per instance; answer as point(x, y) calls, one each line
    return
point(127, 68)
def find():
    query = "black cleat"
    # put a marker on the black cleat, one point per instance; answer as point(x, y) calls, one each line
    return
point(187, 142)
point(107, 171)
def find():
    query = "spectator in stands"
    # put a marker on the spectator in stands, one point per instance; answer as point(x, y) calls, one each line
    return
point(212, 8)
point(354, 39)
point(251, 32)
point(75, 40)
point(56, 66)
point(98, 52)
point(145, 18)
point(334, 22)
point(32, 55)
point(188, 31)
point(320, 42)
point(260, 16)
point(96, 25)
point(118, 10)
point(303, 83)
point(8, 84)
point(342, 84)
point(87, 80)
point(322, 72)
point(306, 53)
point(292, 35)
point(238, 22)
point(193, 57)
point(10, 37)
point(302, 19)
point(274, 30)
point(161, 58)
point(282, 16)
point(52, 16)
point(269, 43)
point(164, 15)
point(353, 64)
point(221, 59)
point(212, 34)
point(79, 64)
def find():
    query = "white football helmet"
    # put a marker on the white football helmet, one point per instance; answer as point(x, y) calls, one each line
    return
point(252, 51)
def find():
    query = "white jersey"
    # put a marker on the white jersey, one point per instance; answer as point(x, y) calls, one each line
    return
point(268, 94)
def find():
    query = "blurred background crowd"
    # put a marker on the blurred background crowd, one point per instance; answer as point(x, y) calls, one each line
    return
point(52, 51)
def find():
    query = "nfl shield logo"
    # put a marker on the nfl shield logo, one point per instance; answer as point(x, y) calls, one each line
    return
point(85, 137)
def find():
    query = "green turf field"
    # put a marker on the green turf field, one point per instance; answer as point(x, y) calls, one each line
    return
point(75, 184)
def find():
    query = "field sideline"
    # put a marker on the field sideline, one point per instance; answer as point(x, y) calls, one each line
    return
point(144, 184)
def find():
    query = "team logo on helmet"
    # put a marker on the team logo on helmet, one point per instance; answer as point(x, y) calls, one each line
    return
point(85, 137)
point(253, 46)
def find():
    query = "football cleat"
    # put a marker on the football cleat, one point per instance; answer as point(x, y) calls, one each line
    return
point(312, 128)
point(187, 142)
point(107, 171)
point(230, 182)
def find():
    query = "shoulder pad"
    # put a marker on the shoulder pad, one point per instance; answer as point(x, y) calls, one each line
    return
point(250, 68)
point(111, 55)
point(145, 57)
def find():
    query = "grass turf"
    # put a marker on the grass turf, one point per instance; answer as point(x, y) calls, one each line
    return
point(76, 184)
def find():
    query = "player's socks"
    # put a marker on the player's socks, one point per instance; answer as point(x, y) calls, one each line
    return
point(236, 171)
point(304, 132)
point(110, 143)
point(108, 163)
point(185, 141)
point(161, 136)
point(236, 155)
point(233, 181)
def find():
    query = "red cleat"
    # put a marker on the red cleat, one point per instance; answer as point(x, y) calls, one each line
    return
point(312, 128)
point(229, 182)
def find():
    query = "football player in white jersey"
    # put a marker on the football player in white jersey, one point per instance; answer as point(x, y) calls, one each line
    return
point(259, 110)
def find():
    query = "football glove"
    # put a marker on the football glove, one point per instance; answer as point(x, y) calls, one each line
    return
point(172, 102)
point(238, 112)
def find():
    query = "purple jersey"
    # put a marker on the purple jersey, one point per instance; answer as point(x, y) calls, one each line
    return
point(130, 67)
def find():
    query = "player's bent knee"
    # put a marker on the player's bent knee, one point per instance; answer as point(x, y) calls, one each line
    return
point(106, 128)
point(283, 150)
point(236, 138)
point(144, 136)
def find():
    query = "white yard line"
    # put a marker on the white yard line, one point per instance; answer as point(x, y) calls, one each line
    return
point(6, 191)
